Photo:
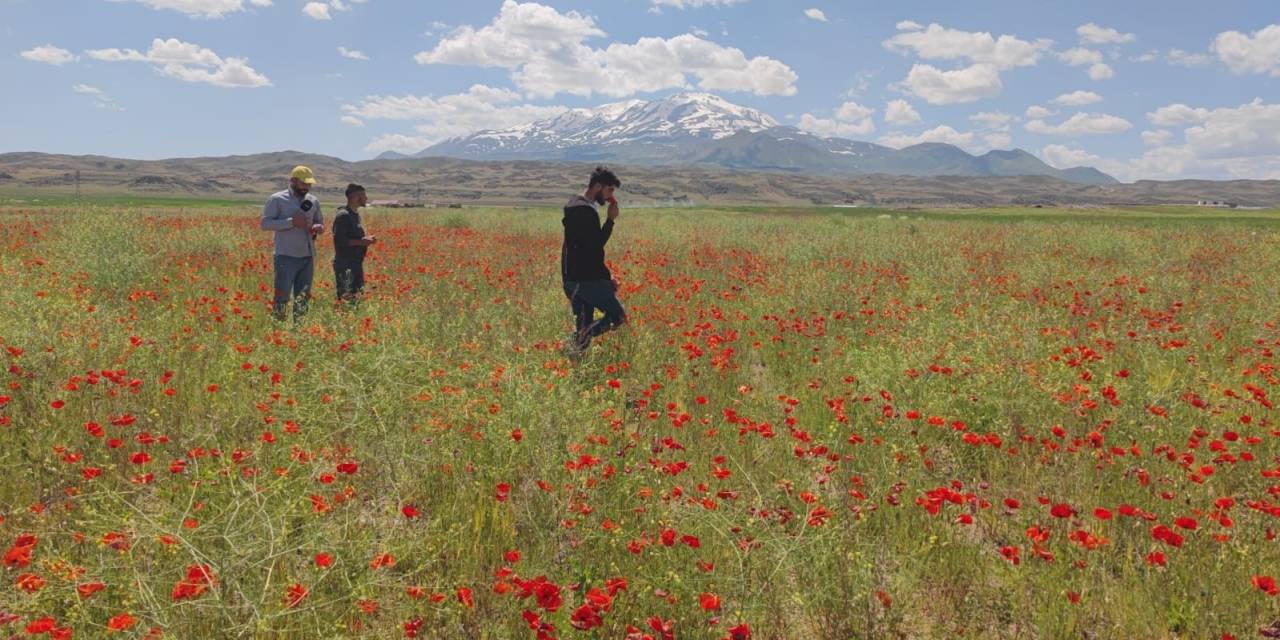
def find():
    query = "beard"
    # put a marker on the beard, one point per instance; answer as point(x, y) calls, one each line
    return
point(600, 199)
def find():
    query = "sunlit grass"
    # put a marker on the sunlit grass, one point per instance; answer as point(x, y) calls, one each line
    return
point(818, 424)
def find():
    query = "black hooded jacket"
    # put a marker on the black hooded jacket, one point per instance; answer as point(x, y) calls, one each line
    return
point(582, 256)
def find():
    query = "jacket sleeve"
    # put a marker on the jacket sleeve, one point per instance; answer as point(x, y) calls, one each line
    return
point(606, 232)
point(271, 220)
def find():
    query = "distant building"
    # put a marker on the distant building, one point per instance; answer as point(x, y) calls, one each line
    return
point(393, 204)
point(1216, 204)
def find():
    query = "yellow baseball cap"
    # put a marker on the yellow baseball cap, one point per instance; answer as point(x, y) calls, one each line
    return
point(304, 174)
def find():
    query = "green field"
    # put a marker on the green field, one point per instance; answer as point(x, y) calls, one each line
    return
point(818, 423)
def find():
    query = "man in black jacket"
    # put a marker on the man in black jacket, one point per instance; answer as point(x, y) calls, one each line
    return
point(587, 281)
point(350, 243)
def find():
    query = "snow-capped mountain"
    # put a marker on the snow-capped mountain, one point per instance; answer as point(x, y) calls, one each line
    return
point(634, 130)
point(700, 128)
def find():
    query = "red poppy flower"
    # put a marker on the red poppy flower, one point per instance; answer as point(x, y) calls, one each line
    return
point(42, 625)
point(122, 622)
point(294, 594)
point(709, 602)
point(199, 578)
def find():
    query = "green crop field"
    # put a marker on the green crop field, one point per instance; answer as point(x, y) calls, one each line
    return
point(818, 423)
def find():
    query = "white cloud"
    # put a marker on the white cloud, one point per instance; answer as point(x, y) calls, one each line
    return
point(969, 84)
point(1157, 138)
point(988, 56)
point(188, 62)
point(694, 4)
point(316, 11)
point(998, 140)
point(400, 143)
point(1248, 131)
point(1255, 53)
point(1081, 124)
point(850, 119)
point(436, 27)
point(1064, 157)
point(940, 43)
point(352, 54)
point(1225, 143)
point(909, 25)
point(480, 108)
point(994, 120)
point(201, 8)
point(100, 98)
point(1177, 114)
point(1080, 56)
point(546, 54)
point(320, 10)
point(1037, 112)
point(900, 112)
point(1188, 59)
point(1091, 33)
point(816, 14)
point(943, 134)
point(1149, 56)
point(352, 121)
point(1077, 98)
point(49, 54)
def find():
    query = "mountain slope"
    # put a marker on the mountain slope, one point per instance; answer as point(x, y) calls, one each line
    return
point(35, 176)
point(635, 130)
point(700, 128)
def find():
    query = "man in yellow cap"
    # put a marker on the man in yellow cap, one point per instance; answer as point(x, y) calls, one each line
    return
point(294, 215)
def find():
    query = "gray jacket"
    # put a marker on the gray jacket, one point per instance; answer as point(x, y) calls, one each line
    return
point(277, 216)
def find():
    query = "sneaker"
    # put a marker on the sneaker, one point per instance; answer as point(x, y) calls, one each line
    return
point(573, 346)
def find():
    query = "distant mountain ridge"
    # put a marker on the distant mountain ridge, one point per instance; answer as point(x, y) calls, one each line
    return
point(30, 177)
point(704, 129)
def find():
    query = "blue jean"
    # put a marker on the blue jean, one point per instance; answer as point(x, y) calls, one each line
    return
point(293, 281)
point(587, 296)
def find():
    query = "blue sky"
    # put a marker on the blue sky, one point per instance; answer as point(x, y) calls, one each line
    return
point(1139, 88)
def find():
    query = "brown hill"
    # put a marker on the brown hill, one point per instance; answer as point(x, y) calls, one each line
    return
point(440, 180)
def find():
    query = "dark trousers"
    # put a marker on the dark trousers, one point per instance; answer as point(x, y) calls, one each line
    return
point(587, 296)
point(349, 278)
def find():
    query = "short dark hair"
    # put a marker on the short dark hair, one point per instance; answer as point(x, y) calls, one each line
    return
point(353, 189)
point(605, 177)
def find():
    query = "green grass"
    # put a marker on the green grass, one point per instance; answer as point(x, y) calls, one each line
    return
point(817, 370)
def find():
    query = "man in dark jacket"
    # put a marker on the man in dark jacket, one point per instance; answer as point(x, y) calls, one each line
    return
point(587, 281)
point(350, 243)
